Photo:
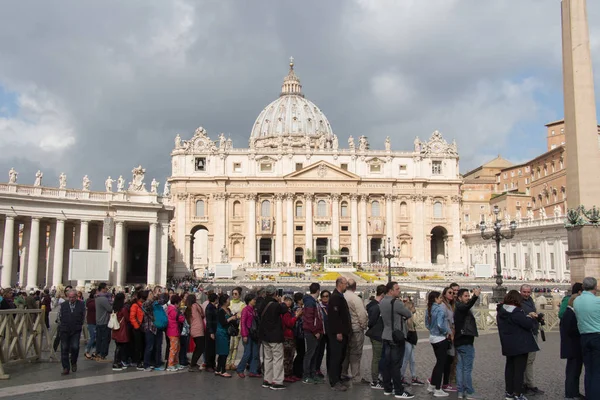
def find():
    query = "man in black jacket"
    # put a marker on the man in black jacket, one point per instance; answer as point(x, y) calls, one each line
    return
point(528, 306)
point(271, 336)
point(71, 315)
point(374, 333)
point(338, 329)
point(464, 337)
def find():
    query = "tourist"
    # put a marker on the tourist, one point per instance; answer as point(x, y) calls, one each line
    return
point(103, 311)
point(184, 333)
point(587, 309)
point(225, 321)
point(324, 342)
point(339, 328)
point(394, 314)
point(211, 332)
point(529, 307)
point(151, 359)
point(410, 348)
point(298, 364)
point(464, 337)
point(121, 335)
point(288, 321)
point(374, 333)
point(440, 337)
point(175, 318)
point(195, 318)
point(136, 317)
point(157, 309)
point(90, 315)
point(448, 307)
point(47, 304)
point(517, 341)
point(71, 317)
point(271, 336)
point(236, 305)
point(359, 323)
point(251, 354)
point(312, 324)
point(570, 349)
point(576, 289)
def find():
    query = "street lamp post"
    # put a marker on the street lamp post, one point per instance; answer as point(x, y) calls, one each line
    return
point(389, 253)
point(499, 291)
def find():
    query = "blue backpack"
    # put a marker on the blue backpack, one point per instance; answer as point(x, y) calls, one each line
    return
point(160, 316)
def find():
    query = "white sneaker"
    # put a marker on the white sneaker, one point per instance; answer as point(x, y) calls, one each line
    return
point(440, 393)
point(430, 388)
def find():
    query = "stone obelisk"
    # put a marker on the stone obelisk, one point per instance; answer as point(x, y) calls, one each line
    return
point(581, 130)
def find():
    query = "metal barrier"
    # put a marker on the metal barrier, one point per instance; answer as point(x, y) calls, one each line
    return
point(23, 337)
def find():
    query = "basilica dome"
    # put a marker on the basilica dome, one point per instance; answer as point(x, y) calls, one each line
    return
point(291, 114)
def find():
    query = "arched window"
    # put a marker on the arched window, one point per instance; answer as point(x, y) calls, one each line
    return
point(403, 209)
point(298, 209)
point(265, 208)
point(344, 209)
point(200, 208)
point(237, 209)
point(237, 248)
point(404, 248)
point(437, 210)
point(375, 209)
point(321, 208)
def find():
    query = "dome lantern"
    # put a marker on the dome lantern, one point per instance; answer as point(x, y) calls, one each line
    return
point(291, 83)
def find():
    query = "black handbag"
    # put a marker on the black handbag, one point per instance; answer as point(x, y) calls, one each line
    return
point(412, 337)
point(397, 334)
point(233, 330)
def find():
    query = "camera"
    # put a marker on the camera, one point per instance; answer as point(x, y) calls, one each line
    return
point(542, 322)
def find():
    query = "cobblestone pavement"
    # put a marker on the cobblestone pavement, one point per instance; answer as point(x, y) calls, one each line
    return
point(97, 381)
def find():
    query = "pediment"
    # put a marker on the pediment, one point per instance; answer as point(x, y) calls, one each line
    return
point(322, 170)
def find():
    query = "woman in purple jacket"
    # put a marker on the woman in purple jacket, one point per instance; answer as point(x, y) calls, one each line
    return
point(251, 345)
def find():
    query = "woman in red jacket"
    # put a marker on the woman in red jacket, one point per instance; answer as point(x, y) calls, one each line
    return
point(174, 318)
point(289, 345)
point(121, 335)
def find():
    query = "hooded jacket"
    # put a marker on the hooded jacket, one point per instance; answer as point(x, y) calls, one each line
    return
point(312, 320)
point(515, 330)
point(375, 321)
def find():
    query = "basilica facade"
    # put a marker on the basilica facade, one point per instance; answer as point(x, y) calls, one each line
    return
point(298, 193)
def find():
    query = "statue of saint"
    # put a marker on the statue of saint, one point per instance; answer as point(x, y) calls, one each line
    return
point(38, 178)
point(363, 144)
point(334, 142)
point(177, 142)
point(222, 141)
point(388, 144)
point(543, 213)
point(224, 255)
point(351, 143)
point(417, 143)
point(108, 184)
point(62, 181)
point(86, 183)
point(530, 214)
point(154, 186)
point(557, 211)
point(167, 190)
point(120, 184)
point(12, 176)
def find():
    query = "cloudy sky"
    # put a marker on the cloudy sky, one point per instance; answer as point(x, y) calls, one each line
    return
point(99, 87)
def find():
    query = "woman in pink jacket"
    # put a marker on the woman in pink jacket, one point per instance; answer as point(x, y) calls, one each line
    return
point(195, 317)
point(174, 319)
point(251, 345)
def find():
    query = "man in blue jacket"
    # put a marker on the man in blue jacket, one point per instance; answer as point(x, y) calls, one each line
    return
point(464, 338)
point(312, 324)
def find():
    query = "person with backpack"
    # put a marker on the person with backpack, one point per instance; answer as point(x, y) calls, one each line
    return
point(160, 320)
point(375, 325)
point(312, 324)
point(249, 334)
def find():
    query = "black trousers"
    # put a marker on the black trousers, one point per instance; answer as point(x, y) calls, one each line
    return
point(198, 350)
point(138, 346)
point(299, 359)
point(391, 373)
point(572, 375)
point(338, 354)
point(210, 352)
point(221, 360)
point(324, 342)
point(120, 353)
point(440, 350)
point(69, 348)
point(447, 367)
point(514, 373)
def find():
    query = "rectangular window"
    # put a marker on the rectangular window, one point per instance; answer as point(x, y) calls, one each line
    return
point(344, 167)
point(376, 168)
point(298, 166)
point(515, 260)
point(466, 217)
point(237, 167)
point(344, 228)
point(504, 260)
point(552, 266)
point(538, 260)
point(200, 163)
point(299, 227)
point(403, 169)
point(436, 167)
point(266, 167)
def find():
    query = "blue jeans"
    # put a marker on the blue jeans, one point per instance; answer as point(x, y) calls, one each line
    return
point(69, 345)
point(153, 349)
point(92, 340)
point(464, 368)
point(409, 360)
point(102, 340)
point(251, 355)
point(590, 344)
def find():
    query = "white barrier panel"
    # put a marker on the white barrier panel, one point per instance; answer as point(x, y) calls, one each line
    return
point(223, 271)
point(483, 271)
point(89, 265)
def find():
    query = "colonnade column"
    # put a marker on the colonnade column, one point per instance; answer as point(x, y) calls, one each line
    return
point(7, 251)
point(59, 244)
point(364, 247)
point(118, 261)
point(251, 239)
point(419, 220)
point(83, 243)
point(308, 197)
point(220, 225)
point(164, 253)
point(279, 227)
point(354, 227)
point(456, 234)
point(389, 218)
point(289, 228)
point(34, 248)
point(335, 221)
point(152, 238)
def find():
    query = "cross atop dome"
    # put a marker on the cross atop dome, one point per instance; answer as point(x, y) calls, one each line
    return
point(291, 83)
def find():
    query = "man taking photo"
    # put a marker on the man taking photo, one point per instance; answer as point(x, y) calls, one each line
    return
point(464, 337)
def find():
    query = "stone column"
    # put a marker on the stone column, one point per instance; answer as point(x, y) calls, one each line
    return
point(279, 227)
point(119, 252)
point(164, 254)
point(335, 221)
point(364, 241)
point(308, 229)
point(289, 229)
point(7, 251)
point(354, 227)
point(182, 255)
point(220, 223)
point(152, 240)
point(59, 244)
point(418, 229)
point(34, 246)
point(251, 221)
point(456, 234)
point(389, 218)
point(83, 243)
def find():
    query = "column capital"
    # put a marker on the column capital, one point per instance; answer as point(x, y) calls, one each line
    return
point(353, 196)
point(37, 219)
point(84, 221)
point(119, 223)
point(336, 197)
point(279, 196)
point(364, 198)
point(251, 196)
point(153, 223)
point(390, 197)
point(290, 196)
point(220, 196)
point(418, 197)
point(309, 196)
point(456, 199)
point(9, 217)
